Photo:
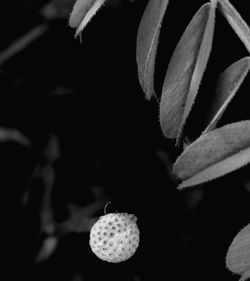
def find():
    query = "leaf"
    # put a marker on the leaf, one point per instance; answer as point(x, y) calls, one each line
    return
point(185, 71)
point(227, 86)
point(147, 42)
point(13, 135)
point(48, 248)
point(22, 42)
point(214, 154)
point(82, 13)
point(238, 255)
point(236, 21)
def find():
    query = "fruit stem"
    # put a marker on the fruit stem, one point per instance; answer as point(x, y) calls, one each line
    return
point(109, 202)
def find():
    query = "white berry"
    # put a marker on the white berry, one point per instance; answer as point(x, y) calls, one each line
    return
point(114, 237)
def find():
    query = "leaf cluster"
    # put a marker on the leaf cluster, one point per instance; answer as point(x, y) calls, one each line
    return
point(217, 151)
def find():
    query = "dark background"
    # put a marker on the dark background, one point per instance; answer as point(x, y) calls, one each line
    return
point(87, 96)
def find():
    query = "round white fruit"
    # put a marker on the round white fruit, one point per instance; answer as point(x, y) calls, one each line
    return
point(115, 237)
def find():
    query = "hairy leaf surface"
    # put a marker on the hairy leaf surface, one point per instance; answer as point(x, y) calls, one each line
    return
point(226, 88)
point(185, 71)
point(236, 21)
point(82, 13)
point(147, 42)
point(214, 154)
point(238, 255)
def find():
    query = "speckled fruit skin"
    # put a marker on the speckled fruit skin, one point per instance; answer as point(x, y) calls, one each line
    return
point(115, 237)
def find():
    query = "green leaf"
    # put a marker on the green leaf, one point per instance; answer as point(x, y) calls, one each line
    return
point(185, 71)
point(147, 42)
point(214, 154)
point(82, 13)
point(227, 86)
point(236, 21)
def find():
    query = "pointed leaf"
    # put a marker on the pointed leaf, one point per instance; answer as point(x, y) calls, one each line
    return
point(185, 71)
point(236, 21)
point(228, 84)
point(147, 42)
point(214, 154)
point(200, 66)
point(82, 13)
